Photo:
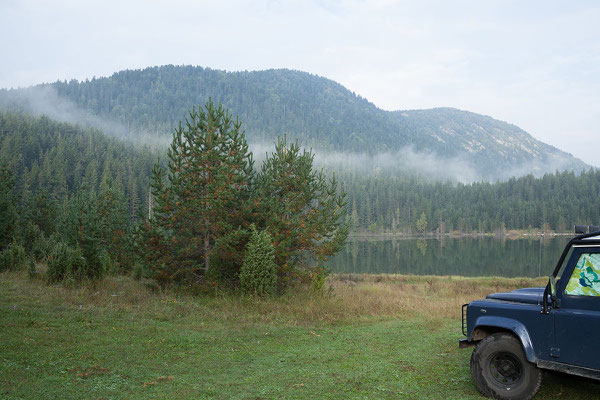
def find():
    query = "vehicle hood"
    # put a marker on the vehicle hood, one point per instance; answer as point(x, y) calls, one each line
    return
point(528, 295)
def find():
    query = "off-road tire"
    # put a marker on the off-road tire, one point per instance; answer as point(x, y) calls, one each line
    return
point(500, 369)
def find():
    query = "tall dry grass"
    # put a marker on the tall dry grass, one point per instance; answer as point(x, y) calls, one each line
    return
point(351, 298)
point(435, 296)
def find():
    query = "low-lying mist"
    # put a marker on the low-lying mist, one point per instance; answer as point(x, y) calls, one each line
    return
point(44, 100)
point(428, 165)
point(404, 161)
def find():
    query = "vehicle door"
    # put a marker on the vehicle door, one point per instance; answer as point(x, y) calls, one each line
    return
point(577, 317)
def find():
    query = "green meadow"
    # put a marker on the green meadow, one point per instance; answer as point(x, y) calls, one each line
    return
point(368, 337)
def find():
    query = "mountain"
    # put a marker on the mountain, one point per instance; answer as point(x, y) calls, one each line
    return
point(320, 113)
point(483, 140)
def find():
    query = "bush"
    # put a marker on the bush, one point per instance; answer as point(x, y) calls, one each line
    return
point(40, 248)
point(94, 265)
point(140, 270)
point(318, 281)
point(32, 269)
point(28, 234)
point(108, 265)
point(12, 258)
point(258, 274)
point(65, 262)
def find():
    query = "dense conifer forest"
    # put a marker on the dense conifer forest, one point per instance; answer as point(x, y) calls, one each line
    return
point(381, 201)
point(53, 160)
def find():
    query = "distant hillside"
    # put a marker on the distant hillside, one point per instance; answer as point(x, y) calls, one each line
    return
point(319, 112)
point(487, 141)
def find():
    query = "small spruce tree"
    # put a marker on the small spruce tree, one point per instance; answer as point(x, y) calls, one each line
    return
point(258, 274)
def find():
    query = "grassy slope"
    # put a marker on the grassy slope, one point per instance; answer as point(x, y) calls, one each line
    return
point(376, 337)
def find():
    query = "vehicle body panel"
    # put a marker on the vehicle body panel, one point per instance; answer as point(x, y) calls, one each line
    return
point(533, 329)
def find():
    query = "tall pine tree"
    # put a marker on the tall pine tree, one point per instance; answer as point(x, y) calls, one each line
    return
point(202, 197)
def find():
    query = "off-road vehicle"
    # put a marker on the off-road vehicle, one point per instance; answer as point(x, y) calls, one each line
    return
point(556, 327)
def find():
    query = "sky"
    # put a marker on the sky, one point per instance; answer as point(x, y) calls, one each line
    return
point(535, 64)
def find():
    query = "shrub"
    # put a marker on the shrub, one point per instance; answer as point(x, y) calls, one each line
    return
point(319, 279)
point(12, 258)
point(258, 274)
point(140, 270)
point(65, 262)
point(40, 248)
point(108, 265)
point(28, 234)
point(32, 269)
point(94, 266)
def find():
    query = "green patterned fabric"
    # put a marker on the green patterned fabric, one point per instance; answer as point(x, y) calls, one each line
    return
point(585, 280)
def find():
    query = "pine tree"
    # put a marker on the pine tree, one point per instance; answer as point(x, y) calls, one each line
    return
point(422, 223)
point(40, 210)
point(301, 209)
point(202, 198)
point(115, 235)
point(80, 226)
point(8, 205)
point(354, 220)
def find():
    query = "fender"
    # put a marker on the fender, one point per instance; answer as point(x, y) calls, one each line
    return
point(511, 325)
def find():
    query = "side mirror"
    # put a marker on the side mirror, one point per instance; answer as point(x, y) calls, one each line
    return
point(552, 284)
point(549, 291)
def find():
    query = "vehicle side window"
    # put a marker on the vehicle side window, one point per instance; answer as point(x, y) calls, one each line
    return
point(585, 280)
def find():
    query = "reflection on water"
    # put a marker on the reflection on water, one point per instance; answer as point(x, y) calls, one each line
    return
point(465, 256)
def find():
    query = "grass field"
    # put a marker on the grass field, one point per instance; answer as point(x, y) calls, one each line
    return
point(373, 337)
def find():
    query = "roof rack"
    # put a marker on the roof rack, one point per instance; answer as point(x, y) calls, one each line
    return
point(592, 234)
point(581, 229)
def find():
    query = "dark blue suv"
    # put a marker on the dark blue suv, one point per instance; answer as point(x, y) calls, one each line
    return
point(555, 328)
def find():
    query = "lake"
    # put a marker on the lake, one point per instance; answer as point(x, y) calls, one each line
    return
point(485, 256)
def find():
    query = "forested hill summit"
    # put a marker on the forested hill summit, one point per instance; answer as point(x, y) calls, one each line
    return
point(319, 112)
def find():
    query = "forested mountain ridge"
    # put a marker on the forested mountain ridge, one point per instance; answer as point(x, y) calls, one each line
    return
point(320, 113)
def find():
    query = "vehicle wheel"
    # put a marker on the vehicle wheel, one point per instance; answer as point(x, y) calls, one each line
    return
point(500, 370)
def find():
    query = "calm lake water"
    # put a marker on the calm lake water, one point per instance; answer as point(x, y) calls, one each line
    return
point(465, 256)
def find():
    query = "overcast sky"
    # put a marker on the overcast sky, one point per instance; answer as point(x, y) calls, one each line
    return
point(535, 64)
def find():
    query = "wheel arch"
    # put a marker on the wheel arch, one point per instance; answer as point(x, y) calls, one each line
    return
point(488, 325)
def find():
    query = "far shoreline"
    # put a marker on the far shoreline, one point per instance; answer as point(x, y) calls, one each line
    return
point(509, 234)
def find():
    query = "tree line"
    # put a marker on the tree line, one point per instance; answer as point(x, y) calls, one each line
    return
point(69, 194)
point(386, 202)
point(207, 206)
